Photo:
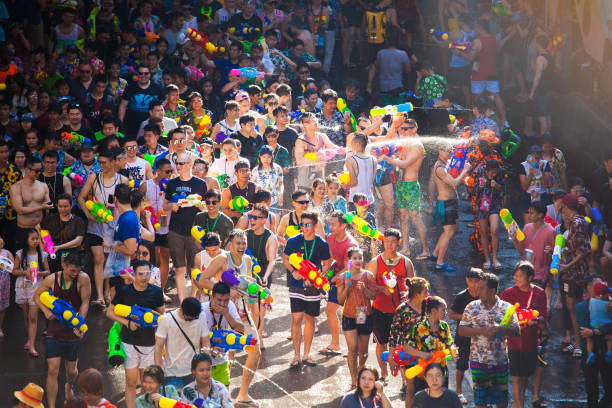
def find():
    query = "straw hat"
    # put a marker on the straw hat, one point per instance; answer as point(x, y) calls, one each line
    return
point(31, 395)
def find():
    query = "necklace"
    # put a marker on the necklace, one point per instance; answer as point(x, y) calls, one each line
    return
point(306, 255)
point(208, 229)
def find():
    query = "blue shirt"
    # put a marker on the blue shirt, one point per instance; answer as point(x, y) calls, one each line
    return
point(127, 227)
point(316, 255)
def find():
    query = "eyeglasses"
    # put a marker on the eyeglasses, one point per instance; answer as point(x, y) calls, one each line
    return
point(167, 172)
point(130, 148)
point(211, 202)
point(255, 217)
point(183, 163)
point(37, 171)
point(142, 273)
point(306, 224)
point(142, 253)
point(180, 141)
point(434, 376)
point(244, 171)
point(302, 202)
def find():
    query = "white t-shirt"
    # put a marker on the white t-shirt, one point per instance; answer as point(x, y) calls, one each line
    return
point(179, 353)
point(137, 169)
point(210, 322)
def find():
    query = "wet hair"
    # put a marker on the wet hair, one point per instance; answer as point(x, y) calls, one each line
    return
point(236, 232)
point(91, 381)
point(416, 285)
point(262, 208)
point(141, 263)
point(539, 207)
point(316, 183)
point(25, 247)
point(393, 232)
point(157, 374)
point(298, 193)
point(221, 288)
point(526, 267)
point(311, 215)
point(332, 179)
point(200, 358)
point(475, 273)
point(261, 196)
point(359, 197)
point(491, 280)
point(432, 302)
point(211, 239)
point(359, 391)
point(72, 258)
point(328, 94)
point(340, 216)
point(354, 250)
point(361, 139)
point(280, 109)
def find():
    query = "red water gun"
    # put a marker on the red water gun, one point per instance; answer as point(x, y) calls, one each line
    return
point(154, 217)
point(202, 41)
point(400, 357)
point(550, 220)
point(309, 271)
point(438, 356)
point(525, 315)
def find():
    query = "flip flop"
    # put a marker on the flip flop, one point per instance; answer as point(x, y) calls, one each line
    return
point(329, 351)
point(295, 363)
point(445, 267)
point(33, 353)
point(423, 257)
point(246, 404)
point(309, 362)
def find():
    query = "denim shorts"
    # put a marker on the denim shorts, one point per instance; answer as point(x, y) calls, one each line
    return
point(67, 350)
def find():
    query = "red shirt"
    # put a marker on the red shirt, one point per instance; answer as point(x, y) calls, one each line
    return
point(528, 342)
point(339, 250)
point(388, 303)
point(537, 240)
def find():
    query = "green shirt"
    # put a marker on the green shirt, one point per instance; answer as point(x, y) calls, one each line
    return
point(222, 225)
point(281, 156)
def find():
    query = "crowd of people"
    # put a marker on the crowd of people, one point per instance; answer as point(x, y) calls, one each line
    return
point(170, 156)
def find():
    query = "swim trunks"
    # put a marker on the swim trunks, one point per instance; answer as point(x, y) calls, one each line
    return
point(408, 195)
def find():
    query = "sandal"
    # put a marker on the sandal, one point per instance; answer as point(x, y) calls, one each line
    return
point(538, 404)
point(295, 363)
point(328, 351)
point(445, 268)
point(246, 404)
point(497, 265)
point(486, 265)
point(423, 257)
point(33, 353)
point(309, 362)
point(577, 352)
point(568, 349)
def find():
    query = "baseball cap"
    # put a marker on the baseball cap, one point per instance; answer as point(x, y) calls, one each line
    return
point(86, 146)
point(570, 201)
point(266, 149)
point(241, 96)
point(28, 116)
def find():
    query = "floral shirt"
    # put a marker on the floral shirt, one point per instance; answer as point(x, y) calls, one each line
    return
point(179, 112)
point(333, 127)
point(404, 319)
point(7, 178)
point(432, 88)
point(218, 397)
point(153, 25)
point(577, 241)
point(79, 168)
point(279, 62)
point(482, 123)
point(338, 205)
point(270, 180)
point(482, 349)
point(145, 402)
point(557, 167)
point(424, 339)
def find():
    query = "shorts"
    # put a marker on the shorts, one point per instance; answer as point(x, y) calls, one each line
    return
point(311, 308)
point(522, 364)
point(446, 212)
point(383, 177)
point(66, 350)
point(183, 250)
point(571, 289)
point(463, 360)
point(382, 326)
point(93, 240)
point(479, 87)
point(408, 195)
point(350, 323)
point(180, 382)
point(138, 356)
point(459, 76)
point(161, 240)
point(490, 383)
point(221, 373)
point(332, 295)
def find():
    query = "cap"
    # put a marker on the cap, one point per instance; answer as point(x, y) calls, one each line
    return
point(28, 116)
point(31, 395)
point(600, 288)
point(207, 141)
point(86, 146)
point(570, 201)
point(241, 96)
point(536, 148)
point(266, 149)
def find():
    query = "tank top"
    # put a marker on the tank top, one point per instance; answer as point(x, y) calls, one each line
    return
point(137, 169)
point(155, 198)
point(248, 192)
point(383, 302)
point(241, 269)
point(456, 60)
point(486, 65)
point(257, 245)
point(101, 194)
point(68, 39)
point(227, 129)
point(365, 174)
point(57, 330)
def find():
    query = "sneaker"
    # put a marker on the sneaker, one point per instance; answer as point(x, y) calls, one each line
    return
point(445, 268)
point(486, 265)
point(462, 398)
point(608, 357)
point(590, 359)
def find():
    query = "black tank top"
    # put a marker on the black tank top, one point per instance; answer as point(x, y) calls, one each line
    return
point(248, 192)
point(257, 245)
point(71, 295)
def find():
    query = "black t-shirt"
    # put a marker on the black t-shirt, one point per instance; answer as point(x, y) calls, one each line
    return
point(138, 105)
point(448, 399)
point(152, 298)
point(250, 146)
point(238, 20)
point(62, 232)
point(461, 301)
point(287, 139)
point(182, 220)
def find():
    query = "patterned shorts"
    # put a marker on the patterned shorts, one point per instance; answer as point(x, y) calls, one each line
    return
point(408, 195)
point(490, 383)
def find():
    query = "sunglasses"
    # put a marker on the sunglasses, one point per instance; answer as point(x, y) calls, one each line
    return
point(304, 72)
point(362, 203)
point(37, 171)
point(255, 217)
point(407, 127)
point(168, 172)
point(130, 148)
point(182, 163)
point(306, 224)
point(211, 202)
point(143, 273)
point(180, 141)
point(273, 103)
point(303, 202)
point(142, 253)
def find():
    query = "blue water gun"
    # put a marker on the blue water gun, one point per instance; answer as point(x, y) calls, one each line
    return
point(295, 116)
point(256, 267)
point(597, 221)
point(63, 311)
point(144, 316)
point(230, 340)
point(176, 197)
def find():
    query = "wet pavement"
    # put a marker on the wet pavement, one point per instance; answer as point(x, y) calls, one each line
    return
point(321, 386)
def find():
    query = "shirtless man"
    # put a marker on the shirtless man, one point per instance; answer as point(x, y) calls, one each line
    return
point(29, 198)
point(236, 260)
point(409, 190)
point(447, 206)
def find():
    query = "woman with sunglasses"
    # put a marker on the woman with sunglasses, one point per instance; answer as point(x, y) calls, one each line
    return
point(154, 387)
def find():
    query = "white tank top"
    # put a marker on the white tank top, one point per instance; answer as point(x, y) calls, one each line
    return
point(365, 174)
point(137, 169)
point(101, 194)
point(155, 198)
point(72, 37)
point(240, 269)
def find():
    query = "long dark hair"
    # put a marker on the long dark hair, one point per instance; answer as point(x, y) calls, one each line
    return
point(359, 391)
point(25, 247)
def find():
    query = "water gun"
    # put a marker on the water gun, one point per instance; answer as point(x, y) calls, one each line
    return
point(556, 258)
point(392, 109)
point(510, 144)
point(389, 280)
point(309, 271)
point(134, 184)
point(324, 154)
point(149, 36)
point(464, 46)
point(601, 288)
point(510, 224)
point(347, 274)
point(468, 181)
point(363, 227)
point(400, 357)
point(295, 116)
point(238, 203)
point(73, 176)
point(438, 356)
point(248, 72)
point(202, 126)
point(292, 230)
point(244, 30)
point(230, 340)
point(63, 311)
point(319, 21)
point(256, 267)
point(551, 221)
point(556, 43)
point(386, 150)
point(457, 161)
point(163, 184)
point(154, 217)
point(150, 158)
point(250, 289)
point(341, 104)
point(198, 233)
point(165, 402)
point(344, 177)
point(223, 180)
point(525, 315)
point(220, 138)
point(116, 354)
point(203, 42)
point(597, 220)
point(144, 316)
point(190, 200)
point(47, 243)
point(99, 211)
point(501, 11)
point(507, 319)
point(74, 137)
point(440, 35)
point(126, 271)
point(33, 265)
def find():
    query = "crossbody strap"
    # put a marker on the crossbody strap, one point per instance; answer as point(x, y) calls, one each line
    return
point(184, 334)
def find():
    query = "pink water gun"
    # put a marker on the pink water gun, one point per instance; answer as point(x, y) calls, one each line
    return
point(48, 243)
point(324, 154)
point(248, 72)
point(33, 270)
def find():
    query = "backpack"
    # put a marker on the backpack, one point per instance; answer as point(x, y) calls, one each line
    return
point(377, 24)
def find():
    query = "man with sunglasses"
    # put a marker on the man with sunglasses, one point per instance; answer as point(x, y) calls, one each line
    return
point(408, 190)
point(137, 168)
point(213, 220)
point(29, 198)
point(182, 246)
point(304, 298)
point(84, 84)
point(291, 221)
point(135, 101)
